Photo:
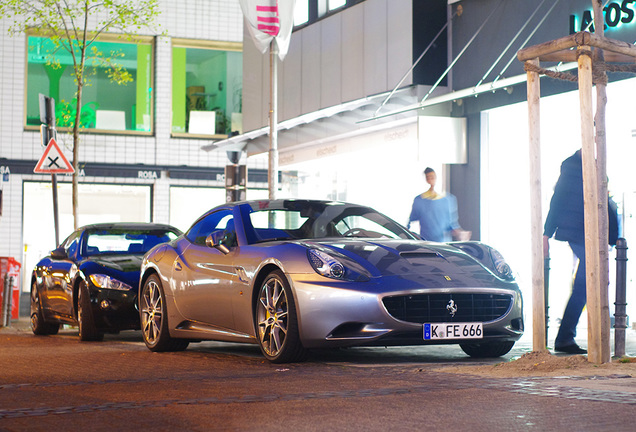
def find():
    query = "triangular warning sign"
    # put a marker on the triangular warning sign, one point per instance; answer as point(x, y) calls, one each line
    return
point(53, 161)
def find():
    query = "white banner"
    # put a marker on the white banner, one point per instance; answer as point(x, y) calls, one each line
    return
point(267, 20)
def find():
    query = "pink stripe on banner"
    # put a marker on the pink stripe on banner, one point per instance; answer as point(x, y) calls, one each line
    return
point(268, 19)
point(271, 30)
point(267, 8)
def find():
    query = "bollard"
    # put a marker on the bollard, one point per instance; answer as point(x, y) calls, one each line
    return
point(546, 294)
point(10, 302)
point(620, 313)
point(5, 312)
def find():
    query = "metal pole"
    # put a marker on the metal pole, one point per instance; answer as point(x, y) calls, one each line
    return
point(56, 219)
point(50, 133)
point(9, 301)
point(620, 313)
point(6, 294)
point(546, 293)
point(273, 121)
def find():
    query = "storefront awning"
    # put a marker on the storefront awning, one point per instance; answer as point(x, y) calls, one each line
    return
point(325, 124)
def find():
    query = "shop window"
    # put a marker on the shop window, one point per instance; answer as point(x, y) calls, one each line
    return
point(335, 4)
point(307, 12)
point(207, 84)
point(301, 12)
point(107, 105)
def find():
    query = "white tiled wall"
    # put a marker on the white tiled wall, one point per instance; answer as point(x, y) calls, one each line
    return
point(220, 20)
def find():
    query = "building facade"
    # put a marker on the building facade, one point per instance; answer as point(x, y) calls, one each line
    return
point(140, 149)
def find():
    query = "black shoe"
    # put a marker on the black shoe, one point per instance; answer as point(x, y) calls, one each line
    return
point(570, 349)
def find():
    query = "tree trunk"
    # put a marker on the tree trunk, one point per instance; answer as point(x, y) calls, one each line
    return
point(79, 76)
point(76, 142)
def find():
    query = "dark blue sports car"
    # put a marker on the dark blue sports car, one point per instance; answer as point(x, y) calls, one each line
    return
point(92, 279)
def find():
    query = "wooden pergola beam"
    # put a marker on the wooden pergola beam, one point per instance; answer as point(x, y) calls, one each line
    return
point(570, 55)
point(625, 52)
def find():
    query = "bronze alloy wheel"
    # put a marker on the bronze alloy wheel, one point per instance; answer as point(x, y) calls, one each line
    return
point(276, 324)
point(154, 320)
point(151, 311)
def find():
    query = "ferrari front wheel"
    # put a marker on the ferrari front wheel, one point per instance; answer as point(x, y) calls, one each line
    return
point(276, 321)
point(154, 318)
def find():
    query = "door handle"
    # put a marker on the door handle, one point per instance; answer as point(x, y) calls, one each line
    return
point(177, 266)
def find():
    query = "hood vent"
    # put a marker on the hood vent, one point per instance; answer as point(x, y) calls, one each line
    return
point(420, 257)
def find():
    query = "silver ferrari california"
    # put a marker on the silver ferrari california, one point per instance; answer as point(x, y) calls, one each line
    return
point(292, 275)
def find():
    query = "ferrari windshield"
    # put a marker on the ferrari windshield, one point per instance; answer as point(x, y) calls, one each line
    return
point(302, 219)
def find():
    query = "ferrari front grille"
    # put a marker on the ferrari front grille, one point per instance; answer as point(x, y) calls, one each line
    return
point(448, 307)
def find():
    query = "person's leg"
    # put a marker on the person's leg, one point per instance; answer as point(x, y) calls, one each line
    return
point(576, 303)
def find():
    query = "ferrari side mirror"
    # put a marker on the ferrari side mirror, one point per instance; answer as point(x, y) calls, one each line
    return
point(215, 240)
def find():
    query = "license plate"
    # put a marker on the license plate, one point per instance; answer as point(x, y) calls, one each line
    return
point(439, 331)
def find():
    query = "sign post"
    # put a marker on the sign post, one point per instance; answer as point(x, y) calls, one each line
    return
point(53, 160)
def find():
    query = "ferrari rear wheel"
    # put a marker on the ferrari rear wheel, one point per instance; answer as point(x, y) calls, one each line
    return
point(154, 318)
point(38, 325)
point(87, 329)
point(276, 321)
point(487, 349)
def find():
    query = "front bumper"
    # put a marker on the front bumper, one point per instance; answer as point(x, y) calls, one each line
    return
point(114, 310)
point(341, 314)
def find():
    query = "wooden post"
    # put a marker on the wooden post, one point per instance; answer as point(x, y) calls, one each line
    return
point(601, 169)
point(590, 198)
point(534, 128)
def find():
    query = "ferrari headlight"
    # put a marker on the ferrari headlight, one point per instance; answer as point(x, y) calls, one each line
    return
point(325, 264)
point(501, 266)
point(104, 281)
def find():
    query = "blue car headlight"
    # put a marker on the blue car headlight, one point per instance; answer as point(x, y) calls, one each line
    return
point(334, 267)
point(107, 282)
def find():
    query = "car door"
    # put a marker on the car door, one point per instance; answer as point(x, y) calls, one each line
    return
point(205, 278)
point(57, 292)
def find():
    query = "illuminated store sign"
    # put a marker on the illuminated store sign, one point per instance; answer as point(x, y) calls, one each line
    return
point(617, 14)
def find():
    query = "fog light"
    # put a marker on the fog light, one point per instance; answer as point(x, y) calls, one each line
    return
point(105, 304)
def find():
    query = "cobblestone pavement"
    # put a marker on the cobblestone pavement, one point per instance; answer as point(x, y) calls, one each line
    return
point(57, 383)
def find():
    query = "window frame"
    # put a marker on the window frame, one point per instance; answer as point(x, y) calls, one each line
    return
point(200, 44)
point(319, 9)
point(193, 235)
point(105, 37)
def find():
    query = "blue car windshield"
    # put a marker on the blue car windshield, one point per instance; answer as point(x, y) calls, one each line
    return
point(114, 241)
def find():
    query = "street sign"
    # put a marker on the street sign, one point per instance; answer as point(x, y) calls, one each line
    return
point(53, 161)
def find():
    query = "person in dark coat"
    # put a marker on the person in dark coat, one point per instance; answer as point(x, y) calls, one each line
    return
point(566, 222)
